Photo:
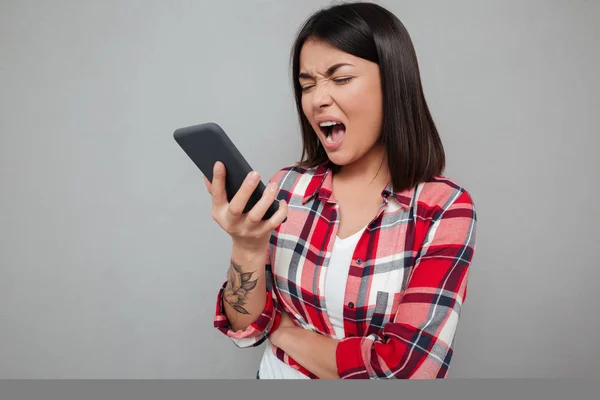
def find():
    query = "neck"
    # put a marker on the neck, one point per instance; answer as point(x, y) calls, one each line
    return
point(371, 169)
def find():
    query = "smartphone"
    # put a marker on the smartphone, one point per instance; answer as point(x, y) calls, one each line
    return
point(207, 143)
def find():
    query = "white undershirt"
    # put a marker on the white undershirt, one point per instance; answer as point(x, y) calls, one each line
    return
point(335, 288)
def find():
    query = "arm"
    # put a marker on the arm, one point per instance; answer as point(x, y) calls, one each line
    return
point(246, 310)
point(315, 352)
point(418, 342)
point(244, 313)
point(244, 295)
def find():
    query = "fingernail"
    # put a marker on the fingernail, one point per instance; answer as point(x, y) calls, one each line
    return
point(273, 187)
point(253, 177)
point(218, 167)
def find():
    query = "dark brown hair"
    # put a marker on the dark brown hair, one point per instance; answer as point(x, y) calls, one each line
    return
point(414, 149)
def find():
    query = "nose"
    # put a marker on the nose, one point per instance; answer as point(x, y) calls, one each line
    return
point(321, 97)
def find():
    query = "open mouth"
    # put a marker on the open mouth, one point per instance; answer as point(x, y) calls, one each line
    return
point(332, 130)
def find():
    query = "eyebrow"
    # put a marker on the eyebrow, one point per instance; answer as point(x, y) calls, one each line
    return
point(330, 71)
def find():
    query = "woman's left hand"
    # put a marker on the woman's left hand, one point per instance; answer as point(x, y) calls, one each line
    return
point(285, 323)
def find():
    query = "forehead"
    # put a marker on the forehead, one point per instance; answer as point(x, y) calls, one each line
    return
point(317, 55)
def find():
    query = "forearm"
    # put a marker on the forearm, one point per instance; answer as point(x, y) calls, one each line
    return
point(244, 297)
point(316, 353)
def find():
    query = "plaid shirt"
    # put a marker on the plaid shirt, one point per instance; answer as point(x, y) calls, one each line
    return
point(406, 284)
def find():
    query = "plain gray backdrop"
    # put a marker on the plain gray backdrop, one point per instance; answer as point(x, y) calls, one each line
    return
point(110, 262)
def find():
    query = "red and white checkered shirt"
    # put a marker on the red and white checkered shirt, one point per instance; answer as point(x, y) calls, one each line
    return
point(406, 284)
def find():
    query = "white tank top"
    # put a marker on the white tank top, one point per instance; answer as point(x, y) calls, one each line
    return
point(335, 287)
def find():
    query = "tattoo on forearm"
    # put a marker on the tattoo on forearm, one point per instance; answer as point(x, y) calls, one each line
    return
point(239, 284)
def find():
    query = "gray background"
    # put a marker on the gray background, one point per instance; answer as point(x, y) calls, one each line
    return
point(109, 259)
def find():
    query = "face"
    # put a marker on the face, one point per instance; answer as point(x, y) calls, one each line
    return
point(342, 100)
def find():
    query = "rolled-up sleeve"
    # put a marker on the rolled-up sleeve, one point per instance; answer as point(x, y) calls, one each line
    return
point(259, 330)
point(418, 342)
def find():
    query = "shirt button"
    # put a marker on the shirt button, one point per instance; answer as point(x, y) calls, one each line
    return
point(351, 305)
point(358, 261)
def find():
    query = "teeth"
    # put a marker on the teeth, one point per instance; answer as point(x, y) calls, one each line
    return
point(328, 123)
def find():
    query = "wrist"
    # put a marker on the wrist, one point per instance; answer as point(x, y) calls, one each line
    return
point(248, 255)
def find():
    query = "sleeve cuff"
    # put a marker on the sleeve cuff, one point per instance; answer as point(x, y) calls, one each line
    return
point(257, 331)
point(349, 358)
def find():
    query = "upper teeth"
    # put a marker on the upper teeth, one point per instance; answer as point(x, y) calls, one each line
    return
point(328, 123)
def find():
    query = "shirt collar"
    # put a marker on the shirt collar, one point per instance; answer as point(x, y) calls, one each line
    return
point(320, 185)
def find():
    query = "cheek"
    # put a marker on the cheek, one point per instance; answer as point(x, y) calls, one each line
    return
point(306, 108)
point(363, 106)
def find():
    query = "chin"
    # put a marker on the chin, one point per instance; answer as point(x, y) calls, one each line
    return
point(339, 159)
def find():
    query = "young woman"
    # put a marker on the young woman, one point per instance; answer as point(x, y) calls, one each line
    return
point(367, 276)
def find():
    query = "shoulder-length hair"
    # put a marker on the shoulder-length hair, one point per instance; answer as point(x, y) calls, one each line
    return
point(414, 149)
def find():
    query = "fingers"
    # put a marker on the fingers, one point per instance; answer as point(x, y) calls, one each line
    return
point(277, 218)
point(239, 201)
point(286, 320)
point(229, 213)
point(218, 193)
point(260, 208)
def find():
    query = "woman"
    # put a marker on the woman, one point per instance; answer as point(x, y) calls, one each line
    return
point(367, 276)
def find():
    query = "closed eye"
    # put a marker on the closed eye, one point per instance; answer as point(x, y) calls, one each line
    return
point(341, 81)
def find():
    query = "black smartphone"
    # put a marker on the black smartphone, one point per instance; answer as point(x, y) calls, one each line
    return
point(208, 143)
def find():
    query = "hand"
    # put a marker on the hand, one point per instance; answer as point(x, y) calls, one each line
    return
point(285, 324)
point(248, 231)
point(286, 321)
